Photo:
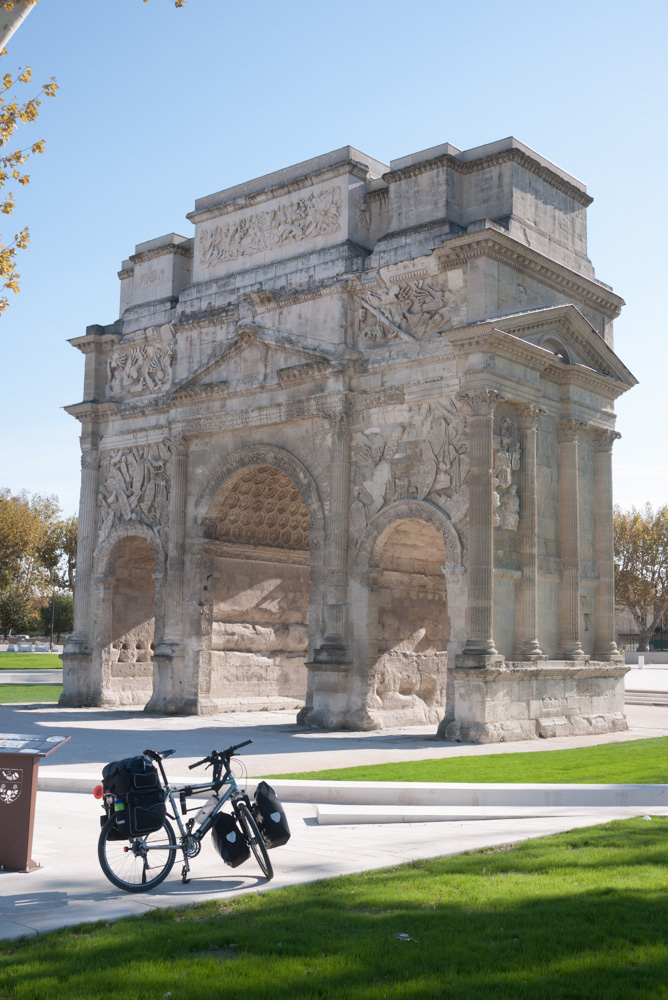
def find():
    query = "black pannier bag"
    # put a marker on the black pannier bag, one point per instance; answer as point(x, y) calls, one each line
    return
point(270, 817)
point(136, 782)
point(229, 841)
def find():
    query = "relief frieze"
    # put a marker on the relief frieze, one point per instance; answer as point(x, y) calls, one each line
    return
point(318, 214)
point(135, 487)
point(422, 457)
point(405, 310)
point(144, 367)
point(506, 466)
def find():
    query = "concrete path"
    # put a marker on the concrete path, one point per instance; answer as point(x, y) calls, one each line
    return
point(70, 887)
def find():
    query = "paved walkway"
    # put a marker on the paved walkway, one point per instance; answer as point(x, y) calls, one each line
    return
point(70, 887)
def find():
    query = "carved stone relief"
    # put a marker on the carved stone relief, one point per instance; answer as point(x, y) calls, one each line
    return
point(405, 310)
point(315, 215)
point(423, 457)
point(135, 487)
point(362, 212)
point(506, 463)
point(264, 507)
point(143, 367)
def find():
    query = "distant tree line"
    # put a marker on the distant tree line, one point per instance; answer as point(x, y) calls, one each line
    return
point(37, 564)
point(641, 567)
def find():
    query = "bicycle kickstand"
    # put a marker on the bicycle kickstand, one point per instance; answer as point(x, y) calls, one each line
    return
point(184, 872)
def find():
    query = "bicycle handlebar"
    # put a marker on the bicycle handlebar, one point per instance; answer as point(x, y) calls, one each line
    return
point(219, 755)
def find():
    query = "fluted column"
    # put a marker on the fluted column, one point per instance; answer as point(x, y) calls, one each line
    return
point(176, 545)
point(481, 521)
point(604, 609)
point(569, 539)
point(336, 611)
point(90, 463)
point(526, 621)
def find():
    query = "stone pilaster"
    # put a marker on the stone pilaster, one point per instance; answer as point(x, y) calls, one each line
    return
point(569, 534)
point(481, 521)
point(335, 644)
point(604, 609)
point(176, 545)
point(90, 463)
point(526, 621)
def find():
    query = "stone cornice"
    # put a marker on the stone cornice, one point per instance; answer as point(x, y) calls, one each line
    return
point(512, 155)
point(496, 245)
point(176, 249)
point(204, 318)
point(306, 180)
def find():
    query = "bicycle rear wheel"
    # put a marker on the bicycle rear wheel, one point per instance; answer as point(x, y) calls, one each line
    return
point(139, 863)
point(254, 838)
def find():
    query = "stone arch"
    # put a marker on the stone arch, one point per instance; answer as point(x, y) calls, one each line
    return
point(103, 558)
point(406, 674)
point(263, 454)
point(258, 580)
point(128, 598)
point(421, 510)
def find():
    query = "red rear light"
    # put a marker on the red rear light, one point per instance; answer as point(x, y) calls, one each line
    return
point(98, 791)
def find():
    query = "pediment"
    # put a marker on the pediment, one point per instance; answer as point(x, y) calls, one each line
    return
point(257, 357)
point(564, 333)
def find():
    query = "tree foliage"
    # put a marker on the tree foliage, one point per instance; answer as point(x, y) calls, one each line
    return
point(35, 542)
point(641, 566)
point(63, 615)
point(14, 111)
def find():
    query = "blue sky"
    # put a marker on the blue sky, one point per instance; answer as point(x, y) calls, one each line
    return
point(159, 106)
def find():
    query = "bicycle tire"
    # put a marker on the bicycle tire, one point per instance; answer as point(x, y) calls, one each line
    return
point(125, 862)
point(254, 837)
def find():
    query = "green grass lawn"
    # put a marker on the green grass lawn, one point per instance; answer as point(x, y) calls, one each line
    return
point(642, 762)
point(579, 916)
point(12, 693)
point(30, 661)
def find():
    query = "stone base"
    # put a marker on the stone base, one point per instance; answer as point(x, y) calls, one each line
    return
point(528, 700)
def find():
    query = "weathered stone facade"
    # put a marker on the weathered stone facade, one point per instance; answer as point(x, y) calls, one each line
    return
point(349, 447)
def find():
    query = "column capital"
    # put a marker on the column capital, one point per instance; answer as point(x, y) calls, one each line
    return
point(528, 416)
point(90, 460)
point(180, 443)
point(569, 428)
point(481, 401)
point(604, 439)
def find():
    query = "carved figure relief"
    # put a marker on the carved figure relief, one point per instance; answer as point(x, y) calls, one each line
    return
point(407, 311)
point(424, 458)
point(506, 462)
point(136, 487)
point(315, 215)
point(142, 367)
point(264, 507)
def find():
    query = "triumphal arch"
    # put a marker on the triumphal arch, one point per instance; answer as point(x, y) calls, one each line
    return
point(348, 448)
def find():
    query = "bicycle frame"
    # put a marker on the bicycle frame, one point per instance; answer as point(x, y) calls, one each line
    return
point(191, 839)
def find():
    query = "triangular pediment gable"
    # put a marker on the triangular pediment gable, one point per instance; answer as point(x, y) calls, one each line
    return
point(563, 332)
point(257, 356)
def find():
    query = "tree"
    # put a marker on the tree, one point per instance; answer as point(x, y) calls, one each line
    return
point(641, 566)
point(33, 541)
point(63, 615)
point(14, 112)
point(16, 615)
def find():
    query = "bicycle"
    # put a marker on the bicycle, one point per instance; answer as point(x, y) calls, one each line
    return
point(139, 864)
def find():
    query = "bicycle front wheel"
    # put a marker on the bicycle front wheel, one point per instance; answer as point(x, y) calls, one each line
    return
point(254, 838)
point(139, 863)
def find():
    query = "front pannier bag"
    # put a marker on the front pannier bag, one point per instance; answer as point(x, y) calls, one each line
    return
point(270, 817)
point(229, 841)
point(136, 783)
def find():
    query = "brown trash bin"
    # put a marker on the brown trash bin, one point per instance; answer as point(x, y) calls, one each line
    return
point(19, 762)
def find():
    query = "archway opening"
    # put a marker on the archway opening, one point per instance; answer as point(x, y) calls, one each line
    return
point(261, 590)
point(413, 628)
point(131, 646)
